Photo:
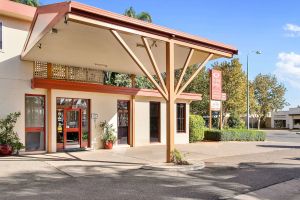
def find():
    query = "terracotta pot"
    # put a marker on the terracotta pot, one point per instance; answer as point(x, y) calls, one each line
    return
point(5, 150)
point(60, 146)
point(84, 144)
point(108, 145)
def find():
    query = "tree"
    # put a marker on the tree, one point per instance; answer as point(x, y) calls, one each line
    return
point(269, 95)
point(234, 84)
point(199, 85)
point(34, 3)
point(144, 16)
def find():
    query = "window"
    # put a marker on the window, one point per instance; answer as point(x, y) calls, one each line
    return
point(1, 36)
point(180, 117)
point(34, 122)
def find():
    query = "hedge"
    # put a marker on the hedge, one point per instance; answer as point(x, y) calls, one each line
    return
point(234, 135)
point(197, 128)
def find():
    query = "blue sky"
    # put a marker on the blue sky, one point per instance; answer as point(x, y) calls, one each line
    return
point(270, 26)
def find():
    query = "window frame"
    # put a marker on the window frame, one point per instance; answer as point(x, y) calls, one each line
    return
point(36, 129)
point(1, 38)
point(181, 118)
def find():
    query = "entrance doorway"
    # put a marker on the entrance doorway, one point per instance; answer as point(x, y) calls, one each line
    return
point(123, 122)
point(73, 123)
point(154, 121)
point(72, 130)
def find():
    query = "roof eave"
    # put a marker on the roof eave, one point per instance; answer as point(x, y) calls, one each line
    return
point(96, 13)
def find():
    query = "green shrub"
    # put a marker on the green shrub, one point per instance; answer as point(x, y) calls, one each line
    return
point(234, 135)
point(197, 127)
point(177, 158)
point(234, 121)
point(7, 133)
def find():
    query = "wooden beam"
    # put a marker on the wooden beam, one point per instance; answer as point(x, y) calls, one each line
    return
point(185, 66)
point(49, 121)
point(154, 64)
point(133, 82)
point(204, 49)
point(194, 75)
point(49, 70)
point(138, 62)
point(170, 78)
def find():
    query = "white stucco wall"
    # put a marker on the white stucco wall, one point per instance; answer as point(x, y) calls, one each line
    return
point(142, 125)
point(15, 75)
point(15, 82)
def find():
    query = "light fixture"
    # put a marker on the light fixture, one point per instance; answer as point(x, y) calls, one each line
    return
point(140, 45)
point(66, 21)
point(54, 31)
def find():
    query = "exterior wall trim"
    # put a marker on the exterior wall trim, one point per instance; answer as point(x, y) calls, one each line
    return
point(90, 87)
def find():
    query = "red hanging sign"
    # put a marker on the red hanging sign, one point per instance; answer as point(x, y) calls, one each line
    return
point(216, 85)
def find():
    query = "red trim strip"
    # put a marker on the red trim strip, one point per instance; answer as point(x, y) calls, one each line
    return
point(90, 87)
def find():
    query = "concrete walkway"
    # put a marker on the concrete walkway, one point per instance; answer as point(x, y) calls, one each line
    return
point(119, 159)
point(234, 170)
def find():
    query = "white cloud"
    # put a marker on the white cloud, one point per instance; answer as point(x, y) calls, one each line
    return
point(292, 30)
point(288, 68)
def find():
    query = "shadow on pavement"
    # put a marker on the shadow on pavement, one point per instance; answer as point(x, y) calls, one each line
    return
point(72, 158)
point(213, 182)
point(279, 146)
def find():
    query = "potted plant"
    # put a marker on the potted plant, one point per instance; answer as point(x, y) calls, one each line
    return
point(108, 136)
point(9, 140)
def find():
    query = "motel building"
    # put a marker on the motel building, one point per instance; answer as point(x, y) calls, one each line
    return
point(286, 119)
point(52, 60)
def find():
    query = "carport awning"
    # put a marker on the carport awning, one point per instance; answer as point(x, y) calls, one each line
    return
point(74, 34)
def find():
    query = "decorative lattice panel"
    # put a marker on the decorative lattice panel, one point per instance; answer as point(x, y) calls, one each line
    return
point(77, 74)
point(59, 71)
point(63, 72)
point(95, 76)
point(40, 70)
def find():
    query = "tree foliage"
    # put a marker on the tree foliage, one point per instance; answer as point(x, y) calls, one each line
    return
point(199, 85)
point(144, 16)
point(269, 95)
point(34, 3)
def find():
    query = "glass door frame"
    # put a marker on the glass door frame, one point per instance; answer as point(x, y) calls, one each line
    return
point(37, 129)
point(157, 103)
point(79, 129)
point(129, 120)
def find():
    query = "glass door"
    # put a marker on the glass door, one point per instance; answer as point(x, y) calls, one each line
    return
point(154, 121)
point(123, 122)
point(72, 128)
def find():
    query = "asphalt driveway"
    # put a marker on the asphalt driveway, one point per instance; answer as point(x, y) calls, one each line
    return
point(234, 170)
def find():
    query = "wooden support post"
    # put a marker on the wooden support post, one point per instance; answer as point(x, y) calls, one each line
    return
point(49, 121)
point(133, 83)
point(49, 70)
point(194, 75)
point(186, 64)
point(221, 125)
point(154, 64)
point(210, 113)
point(170, 82)
point(132, 114)
point(138, 62)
